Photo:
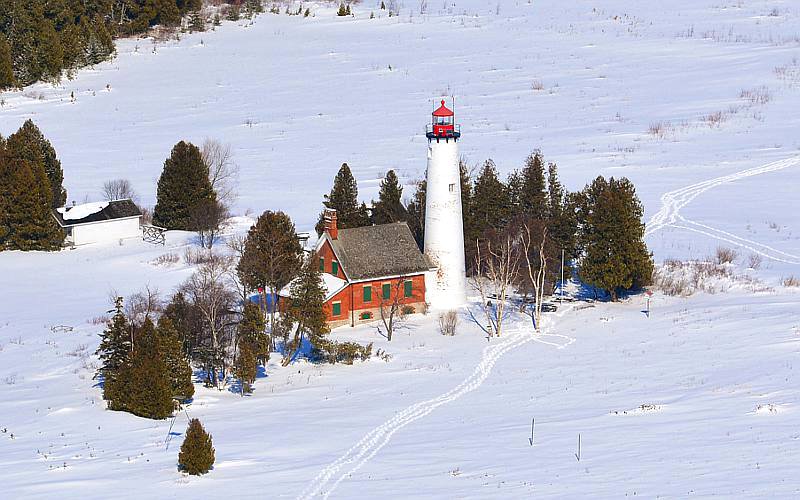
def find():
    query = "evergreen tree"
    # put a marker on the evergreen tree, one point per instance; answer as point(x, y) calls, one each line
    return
point(252, 331)
point(307, 311)
point(185, 320)
point(615, 257)
point(170, 349)
point(7, 80)
point(272, 254)
point(562, 223)
point(342, 10)
point(197, 451)
point(490, 204)
point(416, 214)
point(245, 368)
point(533, 195)
point(344, 198)
point(182, 186)
point(28, 143)
point(148, 391)
point(115, 347)
point(28, 223)
point(389, 207)
point(514, 186)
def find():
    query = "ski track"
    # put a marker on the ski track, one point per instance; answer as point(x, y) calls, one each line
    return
point(673, 201)
point(379, 437)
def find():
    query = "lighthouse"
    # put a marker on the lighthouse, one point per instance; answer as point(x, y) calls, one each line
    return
point(444, 229)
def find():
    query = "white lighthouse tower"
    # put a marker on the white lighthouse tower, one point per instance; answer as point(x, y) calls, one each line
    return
point(444, 229)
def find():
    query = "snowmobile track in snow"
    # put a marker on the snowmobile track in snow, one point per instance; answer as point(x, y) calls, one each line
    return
point(673, 201)
point(379, 437)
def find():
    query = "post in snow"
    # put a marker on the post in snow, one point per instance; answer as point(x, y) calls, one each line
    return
point(446, 283)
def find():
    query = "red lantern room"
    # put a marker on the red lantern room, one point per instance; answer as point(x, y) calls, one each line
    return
point(443, 124)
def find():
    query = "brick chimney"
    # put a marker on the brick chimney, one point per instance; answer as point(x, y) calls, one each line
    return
point(330, 223)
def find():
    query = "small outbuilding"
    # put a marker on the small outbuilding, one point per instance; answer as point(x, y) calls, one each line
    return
point(99, 222)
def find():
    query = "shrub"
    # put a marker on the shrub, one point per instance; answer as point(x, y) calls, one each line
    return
point(791, 281)
point(197, 452)
point(448, 321)
point(754, 261)
point(725, 255)
point(406, 310)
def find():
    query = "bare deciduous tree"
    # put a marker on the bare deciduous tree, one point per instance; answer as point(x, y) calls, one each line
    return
point(536, 267)
point(392, 309)
point(223, 172)
point(496, 270)
point(119, 189)
point(209, 290)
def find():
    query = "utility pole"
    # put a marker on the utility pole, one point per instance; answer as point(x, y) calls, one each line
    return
point(561, 298)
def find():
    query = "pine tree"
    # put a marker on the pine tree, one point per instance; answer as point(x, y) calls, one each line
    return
point(28, 224)
point(389, 207)
point(186, 322)
point(490, 204)
point(562, 223)
point(147, 378)
point(28, 143)
point(252, 331)
point(533, 195)
point(197, 451)
point(342, 10)
point(170, 349)
point(416, 213)
point(344, 198)
point(7, 80)
point(182, 186)
point(245, 367)
point(307, 310)
point(115, 347)
point(615, 255)
point(272, 254)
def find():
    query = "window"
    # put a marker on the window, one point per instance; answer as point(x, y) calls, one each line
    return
point(335, 268)
point(366, 315)
point(367, 293)
point(386, 290)
point(322, 264)
point(407, 288)
point(452, 187)
point(337, 308)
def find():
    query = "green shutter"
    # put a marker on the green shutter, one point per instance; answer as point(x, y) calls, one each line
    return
point(335, 268)
point(337, 308)
point(387, 291)
point(322, 264)
point(407, 288)
point(367, 293)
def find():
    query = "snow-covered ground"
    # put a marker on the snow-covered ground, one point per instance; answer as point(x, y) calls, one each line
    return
point(698, 399)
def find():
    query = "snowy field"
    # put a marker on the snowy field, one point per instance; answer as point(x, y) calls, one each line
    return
point(696, 101)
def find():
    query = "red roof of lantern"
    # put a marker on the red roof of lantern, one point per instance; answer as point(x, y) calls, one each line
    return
point(443, 111)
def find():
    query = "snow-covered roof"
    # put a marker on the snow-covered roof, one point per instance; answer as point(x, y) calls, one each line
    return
point(76, 212)
point(96, 212)
point(331, 283)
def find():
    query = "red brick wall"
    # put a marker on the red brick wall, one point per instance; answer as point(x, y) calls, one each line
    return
point(352, 297)
point(326, 252)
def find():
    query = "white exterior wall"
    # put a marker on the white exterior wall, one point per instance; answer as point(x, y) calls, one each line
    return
point(446, 287)
point(106, 231)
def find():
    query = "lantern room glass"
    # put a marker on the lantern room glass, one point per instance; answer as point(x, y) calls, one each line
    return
point(443, 120)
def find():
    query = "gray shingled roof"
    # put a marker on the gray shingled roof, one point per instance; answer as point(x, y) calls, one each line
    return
point(376, 251)
point(117, 209)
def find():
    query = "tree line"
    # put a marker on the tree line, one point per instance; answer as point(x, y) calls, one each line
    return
point(41, 40)
point(599, 229)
